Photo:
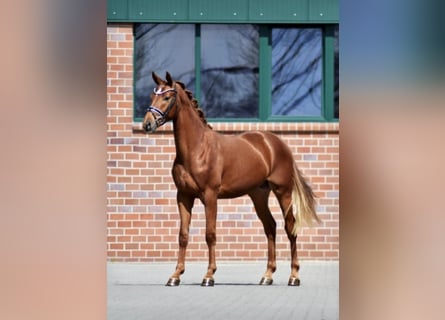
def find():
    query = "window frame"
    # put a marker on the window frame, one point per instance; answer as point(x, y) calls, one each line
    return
point(265, 74)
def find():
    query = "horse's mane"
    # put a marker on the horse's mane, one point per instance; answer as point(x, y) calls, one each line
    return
point(195, 104)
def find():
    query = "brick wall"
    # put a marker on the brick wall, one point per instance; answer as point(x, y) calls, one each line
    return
point(142, 216)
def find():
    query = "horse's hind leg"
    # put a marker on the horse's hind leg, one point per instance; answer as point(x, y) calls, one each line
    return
point(260, 198)
point(185, 205)
point(284, 196)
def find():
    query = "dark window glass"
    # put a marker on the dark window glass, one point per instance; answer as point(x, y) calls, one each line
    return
point(296, 71)
point(161, 48)
point(229, 70)
point(336, 75)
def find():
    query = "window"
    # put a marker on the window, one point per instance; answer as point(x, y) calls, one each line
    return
point(160, 48)
point(246, 72)
point(296, 71)
point(229, 70)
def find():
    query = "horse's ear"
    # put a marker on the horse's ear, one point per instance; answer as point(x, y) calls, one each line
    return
point(156, 79)
point(169, 79)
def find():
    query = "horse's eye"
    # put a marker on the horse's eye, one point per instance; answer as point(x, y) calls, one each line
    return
point(166, 98)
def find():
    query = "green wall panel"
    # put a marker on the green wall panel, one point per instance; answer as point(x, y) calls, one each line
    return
point(165, 10)
point(323, 10)
point(227, 10)
point(278, 10)
point(117, 9)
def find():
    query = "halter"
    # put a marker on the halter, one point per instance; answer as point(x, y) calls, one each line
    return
point(163, 115)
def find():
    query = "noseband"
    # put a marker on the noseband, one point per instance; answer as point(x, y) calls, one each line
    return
point(163, 115)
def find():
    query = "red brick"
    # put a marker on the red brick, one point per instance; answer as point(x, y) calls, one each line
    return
point(322, 231)
point(124, 224)
point(122, 253)
point(124, 238)
point(139, 239)
point(332, 254)
point(314, 254)
point(139, 224)
point(138, 253)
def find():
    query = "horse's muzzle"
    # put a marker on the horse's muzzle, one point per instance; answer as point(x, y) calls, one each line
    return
point(149, 127)
point(146, 126)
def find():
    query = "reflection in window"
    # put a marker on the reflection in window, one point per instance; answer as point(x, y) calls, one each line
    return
point(229, 70)
point(296, 71)
point(161, 48)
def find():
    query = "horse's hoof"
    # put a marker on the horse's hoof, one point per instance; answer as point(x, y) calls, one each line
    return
point(173, 282)
point(266, 281)
point(207, 282)
point(294, 282)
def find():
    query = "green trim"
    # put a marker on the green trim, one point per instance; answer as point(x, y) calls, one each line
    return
point(328, 73)
point(233, 120)
point(265, 74)
point(227, 11)
point(295, 119)
point(271, 119)
point(197, 92)
point(135, 119)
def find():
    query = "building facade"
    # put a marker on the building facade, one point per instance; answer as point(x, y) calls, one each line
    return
point(253, 65)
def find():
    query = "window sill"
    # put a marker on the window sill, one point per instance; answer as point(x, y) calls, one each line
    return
point(236, 127)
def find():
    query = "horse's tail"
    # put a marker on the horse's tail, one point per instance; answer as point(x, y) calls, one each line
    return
point(303, 202)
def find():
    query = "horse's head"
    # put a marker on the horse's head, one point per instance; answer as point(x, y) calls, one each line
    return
point(163, 99)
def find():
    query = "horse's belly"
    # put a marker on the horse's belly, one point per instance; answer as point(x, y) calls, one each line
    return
point(229, 194)
point(236, 192)
point(243, 184)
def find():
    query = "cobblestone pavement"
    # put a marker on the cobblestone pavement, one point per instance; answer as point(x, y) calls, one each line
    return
point(138, 291)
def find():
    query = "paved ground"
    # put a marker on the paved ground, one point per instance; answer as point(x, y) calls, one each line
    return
point(138, 291)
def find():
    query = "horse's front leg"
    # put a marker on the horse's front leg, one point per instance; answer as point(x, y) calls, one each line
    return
point(210, 203)
point(185, 205)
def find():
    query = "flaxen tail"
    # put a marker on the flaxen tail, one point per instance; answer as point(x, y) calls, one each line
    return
point(303, 202)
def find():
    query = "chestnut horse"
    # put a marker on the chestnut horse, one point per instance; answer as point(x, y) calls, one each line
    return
point(210, 166)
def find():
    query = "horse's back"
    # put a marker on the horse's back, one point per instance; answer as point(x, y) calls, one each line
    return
point(258, 144)
point(268, 143)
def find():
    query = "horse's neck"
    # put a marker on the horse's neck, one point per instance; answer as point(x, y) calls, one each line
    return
point(189, 131)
